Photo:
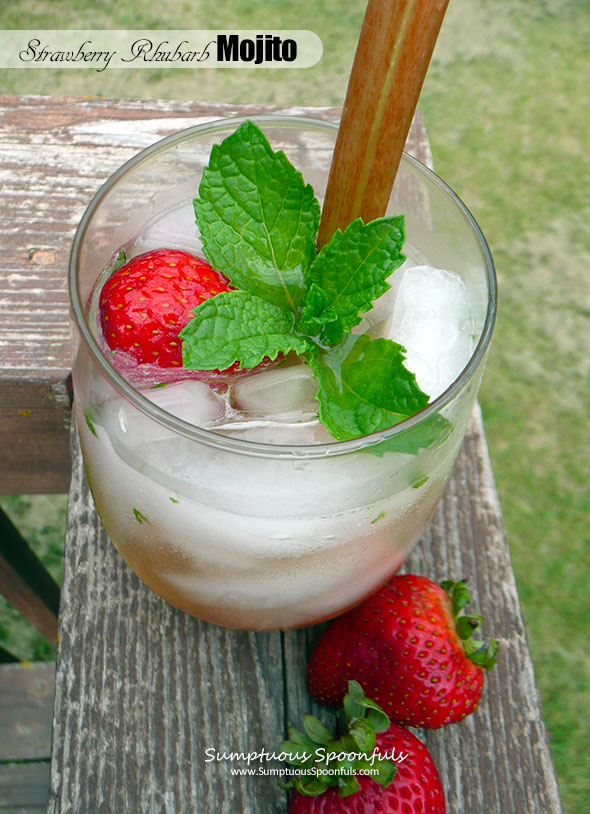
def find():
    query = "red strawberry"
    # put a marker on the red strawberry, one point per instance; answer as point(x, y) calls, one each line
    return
point(410, 649)
point(405, 781)
point(148, 301)
point(415, 788)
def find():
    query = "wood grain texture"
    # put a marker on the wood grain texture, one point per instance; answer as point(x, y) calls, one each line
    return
point(26, 711)
point(142, 690)
point(54, 155)
point(24, 787)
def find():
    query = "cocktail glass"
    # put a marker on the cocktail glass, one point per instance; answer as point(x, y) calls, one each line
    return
point(245, 534)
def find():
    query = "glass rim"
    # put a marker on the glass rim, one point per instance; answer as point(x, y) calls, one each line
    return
point(240, 445)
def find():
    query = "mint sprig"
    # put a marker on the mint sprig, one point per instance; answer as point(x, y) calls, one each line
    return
point(258, 222)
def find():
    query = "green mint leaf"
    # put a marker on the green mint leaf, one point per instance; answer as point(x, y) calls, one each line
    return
point(420, 481)
point(119, 261)
point(319, 319)
point(141, 518)
point(353, 267)
point(257, 217)
point(236, 326)
point(90, 425)
point(434, 431)
point(364, 387)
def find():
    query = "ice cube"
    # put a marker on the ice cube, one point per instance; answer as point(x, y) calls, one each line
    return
point(282, 394)
point(175, 230)
point(432, 319)
point(192, 401)
point(378, 317)
point(296, 433)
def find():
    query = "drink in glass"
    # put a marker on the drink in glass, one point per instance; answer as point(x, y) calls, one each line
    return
point(227, 496)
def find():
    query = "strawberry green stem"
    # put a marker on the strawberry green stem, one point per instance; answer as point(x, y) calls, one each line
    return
point(484, 653)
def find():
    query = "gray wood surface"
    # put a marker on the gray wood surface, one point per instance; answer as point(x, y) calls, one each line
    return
point(23, 787)
point(26, 711)
point(143, 690)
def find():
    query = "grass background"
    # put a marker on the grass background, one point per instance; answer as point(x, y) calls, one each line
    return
point(507, 112)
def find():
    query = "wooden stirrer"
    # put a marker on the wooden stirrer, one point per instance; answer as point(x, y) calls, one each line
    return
point(393, 53)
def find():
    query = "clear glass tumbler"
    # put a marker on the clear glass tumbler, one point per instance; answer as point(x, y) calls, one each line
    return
point(254, 535)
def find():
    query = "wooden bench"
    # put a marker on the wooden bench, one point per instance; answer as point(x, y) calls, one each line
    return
point(142, 690)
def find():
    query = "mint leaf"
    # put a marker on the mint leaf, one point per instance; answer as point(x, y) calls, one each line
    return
point(319, 319)
point(141, 518)
point(90, 425)
point(236, 326)
point(364, 387)
point(434, 431)
point(352, 268)
point(257, 217)
point(119, 261)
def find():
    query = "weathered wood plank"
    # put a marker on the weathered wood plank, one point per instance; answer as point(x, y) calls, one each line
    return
point(54, 155)
point(26, 711)
point(24, 788)
point(143, 690)
point(505, 763)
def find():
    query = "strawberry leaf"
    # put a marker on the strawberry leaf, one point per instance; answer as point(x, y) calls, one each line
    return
point(376, 717)
point(347, 783)
point(236, 326)
point(351, 708)
point(257, 217)
point(119, 261)
point(315, 730)
point(467, 625)
point(297, 753)
point(297, 737)
point(381, 771)
point(353, 267)
point(343, 757)
point(482, 653)
point(363, 734)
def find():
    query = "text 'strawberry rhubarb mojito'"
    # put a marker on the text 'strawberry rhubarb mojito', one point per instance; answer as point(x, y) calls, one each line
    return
point(267, 429)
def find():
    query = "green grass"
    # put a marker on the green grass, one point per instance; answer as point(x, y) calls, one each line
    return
point(507, 112)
